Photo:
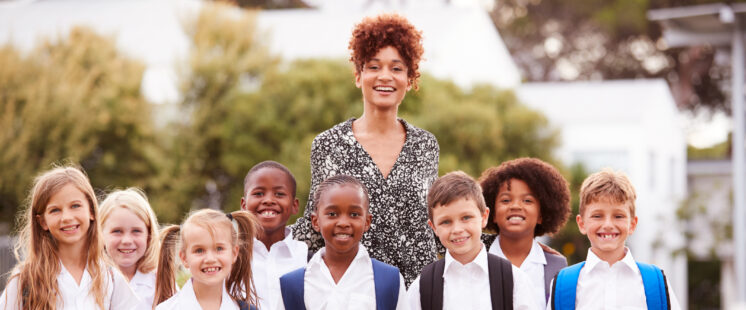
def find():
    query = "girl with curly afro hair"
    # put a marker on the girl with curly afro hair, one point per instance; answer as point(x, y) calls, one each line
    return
point(527, 198)
point(395, 160)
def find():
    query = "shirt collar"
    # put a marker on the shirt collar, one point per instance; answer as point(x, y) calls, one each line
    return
point(258, 244)
point(188, 298)
point(141, 279)
point(480, 261)
point(592, 260)
point(317, 260)
point(535, 255)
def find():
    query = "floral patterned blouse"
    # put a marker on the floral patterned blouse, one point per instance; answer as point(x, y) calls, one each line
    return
point(398, 233)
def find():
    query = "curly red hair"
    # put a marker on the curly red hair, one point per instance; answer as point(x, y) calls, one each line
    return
point(374, 33)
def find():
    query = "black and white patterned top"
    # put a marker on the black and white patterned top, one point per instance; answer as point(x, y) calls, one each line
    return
point(398, 233)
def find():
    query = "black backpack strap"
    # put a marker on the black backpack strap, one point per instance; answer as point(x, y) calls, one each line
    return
point(501, 282)
point(431, 285)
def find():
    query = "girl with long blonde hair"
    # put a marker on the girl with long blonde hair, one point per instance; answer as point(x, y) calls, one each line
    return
point(217, 254)
point(130, 233)
point(60, 252)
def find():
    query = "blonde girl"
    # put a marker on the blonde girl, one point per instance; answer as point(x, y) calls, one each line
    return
point(60, 252)
point(130, 232)
point(217, 256)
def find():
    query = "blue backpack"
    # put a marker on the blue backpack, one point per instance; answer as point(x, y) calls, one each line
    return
point(653, 280)
point(385, 278)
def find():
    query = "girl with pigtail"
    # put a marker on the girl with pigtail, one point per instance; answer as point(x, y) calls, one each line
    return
point(60, 250)
point(218, 258)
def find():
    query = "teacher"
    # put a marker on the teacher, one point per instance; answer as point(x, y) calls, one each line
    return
point(395, 160)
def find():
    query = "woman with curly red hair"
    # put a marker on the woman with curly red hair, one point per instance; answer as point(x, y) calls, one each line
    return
point(527, 198)
point(395, 160)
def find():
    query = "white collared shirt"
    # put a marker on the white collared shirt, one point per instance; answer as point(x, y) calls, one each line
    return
point(268, 266)
point(615, 287)
point(185, 299)
point(144, 286)
point(468, 286)
point(532, 266)
point(355, 290)
point(119, 295)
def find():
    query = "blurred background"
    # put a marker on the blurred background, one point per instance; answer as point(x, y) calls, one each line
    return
point(182, 98)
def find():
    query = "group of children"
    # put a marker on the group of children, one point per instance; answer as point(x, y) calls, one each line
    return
point(79, 256)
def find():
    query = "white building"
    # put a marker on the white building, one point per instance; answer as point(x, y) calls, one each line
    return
point(633, 126)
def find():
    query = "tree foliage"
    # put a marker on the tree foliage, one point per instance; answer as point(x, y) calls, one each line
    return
point(77, 99)
point(594, 39)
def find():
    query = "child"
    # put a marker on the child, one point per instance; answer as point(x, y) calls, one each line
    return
point(217, 256)
point(468, 277)
point(342, 275)
point(60, 253)
point(130, 231)
point(269, 194)
point(527, 198)
point(610, 278)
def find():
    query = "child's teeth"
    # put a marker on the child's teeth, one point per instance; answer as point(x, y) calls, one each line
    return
point(212, 269)
point(269, 213)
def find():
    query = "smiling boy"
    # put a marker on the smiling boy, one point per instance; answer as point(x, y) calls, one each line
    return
point(610, 278)
point(269, 193)
point(468, 277)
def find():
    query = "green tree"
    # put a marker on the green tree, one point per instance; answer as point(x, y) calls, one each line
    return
point(227, 59)
point(78, 100)
point(593, 39)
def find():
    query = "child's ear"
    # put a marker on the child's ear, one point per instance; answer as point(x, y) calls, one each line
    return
point(368, 220)
point(235, 253)
point(485, 217)
point(315, 221)
point(294, 208)
point(42, 222)
point(243, 204)
point(581, 225)
point(430, 223)
point(633, 225)
point(182, 256)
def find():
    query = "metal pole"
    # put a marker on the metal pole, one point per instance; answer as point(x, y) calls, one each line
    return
point(739, 161)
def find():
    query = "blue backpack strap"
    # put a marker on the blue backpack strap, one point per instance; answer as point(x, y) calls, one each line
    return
point(242, 305)
point(565, 287)
point(386, 280)
point(291, 287)
point(656, 292)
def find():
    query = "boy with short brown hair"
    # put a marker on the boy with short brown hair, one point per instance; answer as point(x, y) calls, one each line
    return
point(468, 277)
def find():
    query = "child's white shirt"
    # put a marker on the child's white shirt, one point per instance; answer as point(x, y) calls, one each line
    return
point(185, 299)
point(468, 286)
point(268, 266)
point(355, 290)
point(119, 295)
point(618, 286)
point(532, 266)
point(144, 286)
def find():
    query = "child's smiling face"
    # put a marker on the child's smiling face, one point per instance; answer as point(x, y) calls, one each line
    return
point(517, 211)
point(125, 238)
point(67, 216)
point(342, 217)
point(607, 225)
point(459, 226)
point(208, 255)
point(269, 196)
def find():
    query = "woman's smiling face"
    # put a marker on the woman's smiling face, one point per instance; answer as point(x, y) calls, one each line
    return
point(383, 79)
